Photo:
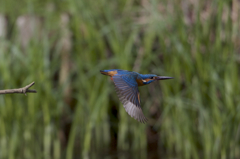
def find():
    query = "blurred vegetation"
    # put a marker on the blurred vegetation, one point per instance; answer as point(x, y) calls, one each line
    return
point(62, 45)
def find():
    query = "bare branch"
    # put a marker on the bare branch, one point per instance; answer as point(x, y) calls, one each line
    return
point(20, 90)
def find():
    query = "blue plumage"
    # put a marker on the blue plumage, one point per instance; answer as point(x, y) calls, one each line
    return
point(126, 84)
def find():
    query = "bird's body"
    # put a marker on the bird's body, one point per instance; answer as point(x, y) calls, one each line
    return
point(126, 84)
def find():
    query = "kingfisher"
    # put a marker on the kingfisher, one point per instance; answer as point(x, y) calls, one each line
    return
point(126, 84)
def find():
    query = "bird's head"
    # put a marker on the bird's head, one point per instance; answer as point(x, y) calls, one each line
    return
point(149, 78)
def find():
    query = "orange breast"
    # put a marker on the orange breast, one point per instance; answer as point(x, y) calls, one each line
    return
point(139, 82)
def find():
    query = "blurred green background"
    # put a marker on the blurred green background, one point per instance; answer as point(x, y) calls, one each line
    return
point(62, 45)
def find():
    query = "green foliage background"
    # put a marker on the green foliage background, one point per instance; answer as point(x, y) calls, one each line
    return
point(196, 115)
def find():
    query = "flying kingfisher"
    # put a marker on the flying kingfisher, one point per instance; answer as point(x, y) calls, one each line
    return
point(126, 84)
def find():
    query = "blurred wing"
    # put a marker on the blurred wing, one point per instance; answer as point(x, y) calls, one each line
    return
point(127, 90)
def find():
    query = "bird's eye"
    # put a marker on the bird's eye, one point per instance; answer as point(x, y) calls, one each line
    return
point(151, 77)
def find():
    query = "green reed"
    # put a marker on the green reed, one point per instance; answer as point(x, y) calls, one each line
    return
point(195, 115)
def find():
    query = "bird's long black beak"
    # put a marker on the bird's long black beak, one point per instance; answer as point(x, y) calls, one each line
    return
point(163, 78)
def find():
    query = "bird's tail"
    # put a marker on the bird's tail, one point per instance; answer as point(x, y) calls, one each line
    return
point(108, 72)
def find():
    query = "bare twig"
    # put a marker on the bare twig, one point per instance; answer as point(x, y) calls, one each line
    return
point(20, 90)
